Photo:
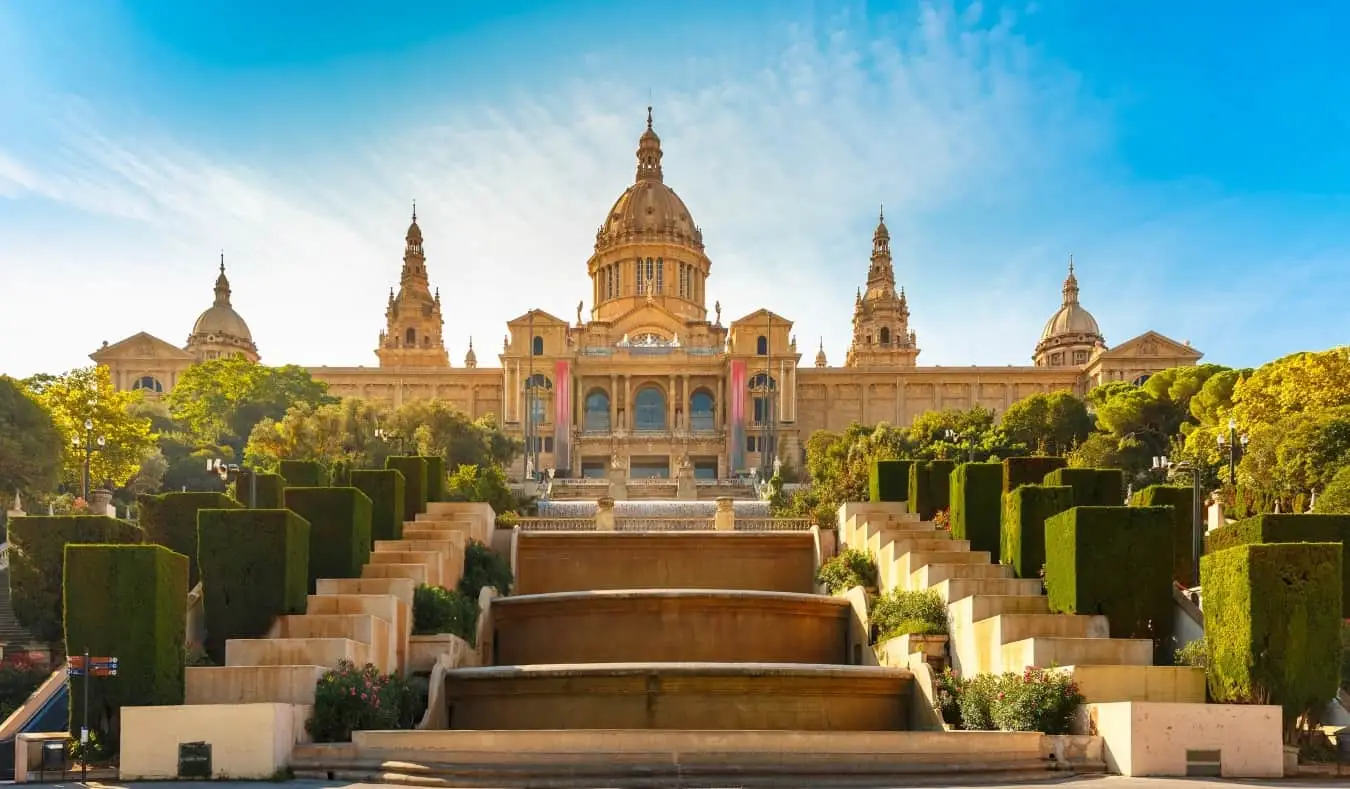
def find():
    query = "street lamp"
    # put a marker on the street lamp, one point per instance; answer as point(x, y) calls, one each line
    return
point(390, 436)
point(229, 472)
point(88, 444)
point(956, 438)
point(1164, 464)
point(1232, 442)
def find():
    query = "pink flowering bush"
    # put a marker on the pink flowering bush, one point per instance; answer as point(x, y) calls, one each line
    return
point(942, 520)
point(1038, 699)
point(349, 699)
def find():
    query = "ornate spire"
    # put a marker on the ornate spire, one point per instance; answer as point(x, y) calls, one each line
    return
point(470, 358)
point(820, 355)
point(222, 284)
point(1070, 290)
point(880, 274)
point(649, 154)
point(414, 236)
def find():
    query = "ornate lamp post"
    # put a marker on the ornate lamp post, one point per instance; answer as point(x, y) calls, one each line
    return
point(230, 472)
point(390, 436)
point(88, 444)
point(959, 439)
point(1165, 465)
point(1233, 441)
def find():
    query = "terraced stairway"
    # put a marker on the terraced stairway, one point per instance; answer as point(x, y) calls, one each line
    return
point(1001, 623)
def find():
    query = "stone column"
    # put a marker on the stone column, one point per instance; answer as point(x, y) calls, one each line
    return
point(604, 514)
point(613, 402)
point(725, 518)
point(670, 403)
point(628, 418)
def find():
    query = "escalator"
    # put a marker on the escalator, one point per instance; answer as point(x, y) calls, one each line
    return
point(48, 709)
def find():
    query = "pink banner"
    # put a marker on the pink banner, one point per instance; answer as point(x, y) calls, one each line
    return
point(736, 401)
point(562, 416)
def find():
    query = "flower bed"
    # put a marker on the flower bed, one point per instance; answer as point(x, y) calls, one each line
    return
point(1038, 699)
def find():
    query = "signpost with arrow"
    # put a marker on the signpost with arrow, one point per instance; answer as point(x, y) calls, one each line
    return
point(86, 666)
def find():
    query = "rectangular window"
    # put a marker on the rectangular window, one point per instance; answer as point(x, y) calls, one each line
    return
point(660, 276)
point(763, 410)
point(750, 443)
point(548, 443)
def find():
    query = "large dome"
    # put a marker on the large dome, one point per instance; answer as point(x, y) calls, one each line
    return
point(649, 210)
point(1070, 319)
point(219, 330)
point(222, 320)
point(1071, 328)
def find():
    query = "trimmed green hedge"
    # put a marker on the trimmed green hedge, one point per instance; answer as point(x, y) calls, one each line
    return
point(384, 487)
point(1029, 470)
point(1025, 511)
point(888, 480)
point(269, 491)
point(414, 470)
point(170, 519)
point(303, 474)
point(977, 505)
point(255, 567)
point(929, 488)
point(127, 602)
point(1092, 487)
point(37, 558)
point(1180, 499)
point(435, 477)
point(1271, 528)
point(1113, 561)
point(1273, 624)
point(339, 530)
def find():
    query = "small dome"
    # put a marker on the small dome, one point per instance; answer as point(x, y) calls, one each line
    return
point(820, 355)
point(470, 358)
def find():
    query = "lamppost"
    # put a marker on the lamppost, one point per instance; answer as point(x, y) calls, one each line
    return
point(1233, 441)
point(1164, 464)
point(390, 436)
point(953, 437)
point(230, 472)
point(89, 442)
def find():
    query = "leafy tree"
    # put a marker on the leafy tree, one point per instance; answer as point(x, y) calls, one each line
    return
point(219, 401)
point(1302, 452)
point(1051, 423)
point(1306, 381)
point(481, 483)
point(1212, 404)
point(86, 396)
point(973, 429)
point(344, 432)
point(1336, 497)
point(30, 444)
point(436, 427)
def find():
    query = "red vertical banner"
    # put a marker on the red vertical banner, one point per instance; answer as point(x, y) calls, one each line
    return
point(562, 416)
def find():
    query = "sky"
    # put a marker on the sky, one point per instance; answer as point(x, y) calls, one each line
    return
point(1190, 156)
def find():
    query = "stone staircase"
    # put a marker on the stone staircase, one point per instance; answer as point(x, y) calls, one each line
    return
point(363, 620)
point(1000, 623)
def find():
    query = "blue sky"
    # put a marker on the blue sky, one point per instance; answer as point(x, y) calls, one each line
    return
point(1191, 157)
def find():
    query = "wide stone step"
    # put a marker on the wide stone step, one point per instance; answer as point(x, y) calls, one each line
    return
point(402, 588)
point(445, 545)
point(252, 684)
point(366, 628)
point(1007, 628)
point(295, 652)
point(977, 607)
point(431, 560)
point(1042, 651)
point(932, 574)
point(954, 589)
point(417, 573)
point(385, 606)
point(1163, 684)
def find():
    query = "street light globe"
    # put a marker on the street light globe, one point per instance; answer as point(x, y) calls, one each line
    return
point(102, 441)
point(88, 424)
point(1232, 423)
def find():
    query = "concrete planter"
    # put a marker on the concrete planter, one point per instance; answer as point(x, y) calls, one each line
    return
point(1079, 752)
point(424, 650)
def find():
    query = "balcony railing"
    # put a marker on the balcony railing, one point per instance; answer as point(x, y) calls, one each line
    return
point(663, 524)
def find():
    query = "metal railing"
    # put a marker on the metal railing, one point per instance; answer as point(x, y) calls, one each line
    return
point(773, 524)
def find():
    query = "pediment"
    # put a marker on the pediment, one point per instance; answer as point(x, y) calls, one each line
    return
point(538, 318)
point(762, 316)
point(1151, 345)
point(141, 345)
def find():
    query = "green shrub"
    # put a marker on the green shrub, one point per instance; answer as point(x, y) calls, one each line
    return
point(127, 602)
point(1043, 700)
point(339, 530)
point(899, 613)
point(19, 679)
point(1025, 510)
point(269, 488)
point(414, 470)
point(976, 505)
point(847, 569)
point(484, 567)
point(170, 519)
point(255, 567)
point(1271, 528)
point(1180, 499)
point(1092, 487)
point(37, 559)
point(1029, 470)
point(929, 488)
point(1113, 561)
point(888, 480)
point(349, 699)
point(1193, 654)
point(342, 475)
point(384, 487)
point(435, 477)
point(1273, 625)
point(437, 610)
point(303, 473)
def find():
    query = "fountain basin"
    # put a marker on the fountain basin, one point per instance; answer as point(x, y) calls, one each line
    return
point(704, 696)
point(652, 509)
point(583, 561)
point(670, 625)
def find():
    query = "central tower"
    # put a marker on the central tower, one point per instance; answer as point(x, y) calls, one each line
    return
point(648, 247)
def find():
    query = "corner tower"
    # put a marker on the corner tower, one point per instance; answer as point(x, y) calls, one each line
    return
point(412, 335)
point(881, 333)
point(1071, 337)
point(648, 246)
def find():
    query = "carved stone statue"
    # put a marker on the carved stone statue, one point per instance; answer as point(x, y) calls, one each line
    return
point(777, 466)
point(616, 463)
point(717, 308)
point(579, 305)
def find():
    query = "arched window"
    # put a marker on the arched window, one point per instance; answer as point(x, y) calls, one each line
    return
point(762, 382)
point(762, 345)
point(597, 412)
point(885, 336)
point(410, 338)
point(1139, 381)
point(150, 383)
point(650, 409)
point(701, 414)
point(537, 348)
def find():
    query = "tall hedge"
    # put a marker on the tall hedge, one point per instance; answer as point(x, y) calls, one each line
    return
point(1113, 561)
point(435, 477)
point(1025, 511)
point(339, 530)
point(976, 505)
point(888, 480)
point(303, 473)
point(170, 519)
point(385, 488)
point(1029, 470)
point(269, 490)
point(1092, 487)
point(37, 557)
point(1272, 528)
point(1273, 624)
point(1180, 499)
point(414, 470)
point(127, 602)
point(255, 567)
point(930, 487)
